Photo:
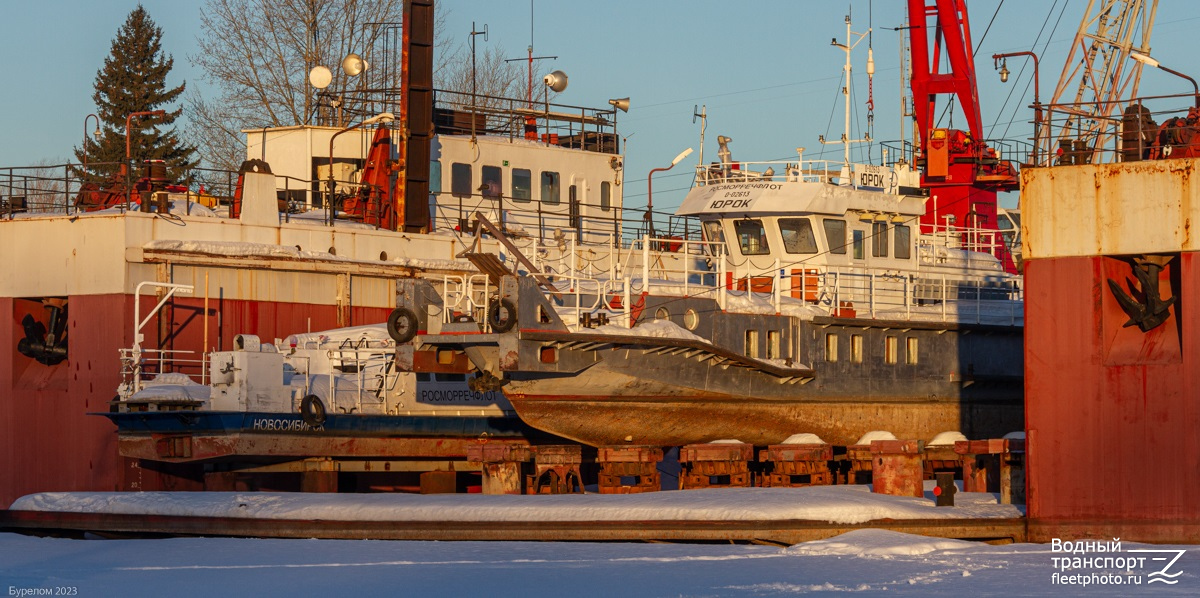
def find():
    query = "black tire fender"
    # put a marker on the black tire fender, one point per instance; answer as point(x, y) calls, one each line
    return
point(402, 325)
point(499, 322)
point(312, 411)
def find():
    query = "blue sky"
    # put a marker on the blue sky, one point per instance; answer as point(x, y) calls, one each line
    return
point(764, 69)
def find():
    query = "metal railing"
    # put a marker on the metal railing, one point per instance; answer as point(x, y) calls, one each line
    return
point(952, 289)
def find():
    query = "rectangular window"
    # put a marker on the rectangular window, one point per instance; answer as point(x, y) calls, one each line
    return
point(752, 236)
point(751, 343)
point(798, 236)
point(522, 181)
point(573, 207)
point(551, 191)
point(879, 244)
point(773, 337)
point(835, 235)
point(856, 348)
point(910, 350)
point(903, 242)
point(712, 231)
point(858, 245)
point(891, 347)
point(606, 196)
point(493, 184)
point(435, 176)
point(831, 349)
point(460, 180)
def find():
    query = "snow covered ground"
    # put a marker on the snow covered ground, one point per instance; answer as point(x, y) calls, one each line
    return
point(834, 504)
point(866, 561)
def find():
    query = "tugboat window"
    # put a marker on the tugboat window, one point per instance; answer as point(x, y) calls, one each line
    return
point(460, 180)
point(605, 196)
point(550, 188)
point(858, 244)
point(891, 349)
point(831, 350)
point(856, 348)
point(798, 236)
point(713, 232)
point(751, 343)
point(773, 337)
point(835, 235)
point(879, 246)
point(522, 184)
point(910, 353)
point(752, 236)
point(435, 176)
point(492, 183)
point(903, 242)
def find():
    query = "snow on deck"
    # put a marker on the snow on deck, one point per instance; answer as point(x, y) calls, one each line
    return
point(833, 504)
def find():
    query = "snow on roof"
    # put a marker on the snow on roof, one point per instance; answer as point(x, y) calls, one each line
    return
point(652, 328)
point(374, 333)
point(874, 435)
point(834, 504)
point(804, 438)
point(947, 438)
point(241, 249)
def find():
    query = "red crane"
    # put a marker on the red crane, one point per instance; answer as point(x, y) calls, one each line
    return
point(963, 174)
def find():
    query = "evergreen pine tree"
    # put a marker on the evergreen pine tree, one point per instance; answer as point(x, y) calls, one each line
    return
point(133, 79)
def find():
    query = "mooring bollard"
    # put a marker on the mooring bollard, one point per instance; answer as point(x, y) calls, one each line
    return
point(945, 490)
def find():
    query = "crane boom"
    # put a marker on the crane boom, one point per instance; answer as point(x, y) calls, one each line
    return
point(1100, 75)
point(958, 168)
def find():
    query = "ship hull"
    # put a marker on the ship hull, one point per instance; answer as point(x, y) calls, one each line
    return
point(675, 422)
point(382, 426)
point(668, 393)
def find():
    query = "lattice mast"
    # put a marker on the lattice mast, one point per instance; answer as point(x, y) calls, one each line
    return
point(1099, 76)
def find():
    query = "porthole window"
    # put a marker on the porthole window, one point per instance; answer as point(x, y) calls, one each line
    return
point(662, 313)
point(691, 319)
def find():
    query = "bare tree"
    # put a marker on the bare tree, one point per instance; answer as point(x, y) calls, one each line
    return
point(256, 56)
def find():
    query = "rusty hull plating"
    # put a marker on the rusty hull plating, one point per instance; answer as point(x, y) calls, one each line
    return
point(1112, 403)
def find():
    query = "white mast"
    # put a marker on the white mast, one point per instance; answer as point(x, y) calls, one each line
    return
point(847, 47)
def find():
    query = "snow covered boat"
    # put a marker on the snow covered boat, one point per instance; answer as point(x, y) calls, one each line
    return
point(334, 383)
point(266, 252)
point(819, 305)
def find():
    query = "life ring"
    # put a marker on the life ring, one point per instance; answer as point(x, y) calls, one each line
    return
point(496, 317)
point(402, 325)
point(312, 411)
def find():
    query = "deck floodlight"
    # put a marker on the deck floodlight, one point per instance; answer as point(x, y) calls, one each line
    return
point(353, 64)
point(556, 81)
point(320, 77)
